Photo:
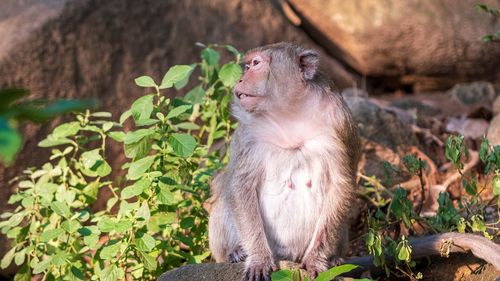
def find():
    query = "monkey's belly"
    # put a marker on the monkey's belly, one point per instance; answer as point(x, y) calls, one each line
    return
point(290, 205)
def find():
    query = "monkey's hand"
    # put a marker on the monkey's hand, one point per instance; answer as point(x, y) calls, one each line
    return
point(314, 264)
point(259, 268)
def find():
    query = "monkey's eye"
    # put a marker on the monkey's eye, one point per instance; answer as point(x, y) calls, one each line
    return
point(255, 62)
point(247, 66)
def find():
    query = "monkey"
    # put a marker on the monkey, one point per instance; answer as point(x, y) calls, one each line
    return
point(290, 182)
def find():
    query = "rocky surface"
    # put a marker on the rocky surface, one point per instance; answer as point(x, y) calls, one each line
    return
point(464, 267)
point(429, 44)
point(378, 124)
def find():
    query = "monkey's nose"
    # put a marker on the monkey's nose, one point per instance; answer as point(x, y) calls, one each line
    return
point(240, 81)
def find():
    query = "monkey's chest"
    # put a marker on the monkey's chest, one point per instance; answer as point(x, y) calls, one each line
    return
point(291, 199)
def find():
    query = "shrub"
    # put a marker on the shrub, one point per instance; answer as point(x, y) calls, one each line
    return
point(155, 219)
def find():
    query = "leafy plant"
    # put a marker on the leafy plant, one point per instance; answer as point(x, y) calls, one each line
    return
point(331, 274)
point(154, 219)
point(394, 211)
point(13, 111)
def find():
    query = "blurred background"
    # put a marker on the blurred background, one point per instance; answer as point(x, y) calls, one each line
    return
point(411, 71)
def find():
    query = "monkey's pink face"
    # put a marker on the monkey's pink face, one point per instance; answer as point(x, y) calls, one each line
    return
point(251, 88)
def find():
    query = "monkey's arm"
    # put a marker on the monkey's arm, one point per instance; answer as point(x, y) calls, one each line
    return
point(244, 179)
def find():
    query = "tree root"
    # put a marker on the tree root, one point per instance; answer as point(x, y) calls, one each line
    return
point(441, 244)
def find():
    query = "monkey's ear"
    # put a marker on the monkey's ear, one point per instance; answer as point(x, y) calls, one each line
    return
point(309, 63)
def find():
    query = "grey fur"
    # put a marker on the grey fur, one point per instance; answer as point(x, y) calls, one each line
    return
point(290, 181)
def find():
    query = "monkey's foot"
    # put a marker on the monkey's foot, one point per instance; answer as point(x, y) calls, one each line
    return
point(335, 261)
point(314, 266)
point(259, 269)
point(237, 255)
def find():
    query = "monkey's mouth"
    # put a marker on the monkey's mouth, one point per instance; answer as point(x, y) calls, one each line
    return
point(241, 95)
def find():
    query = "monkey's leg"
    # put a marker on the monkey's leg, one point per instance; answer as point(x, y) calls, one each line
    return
point(223, 238)
point(330, 235)
point(259, 262)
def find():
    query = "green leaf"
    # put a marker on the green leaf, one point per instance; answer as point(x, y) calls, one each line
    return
point(10, 142)
point(71, 226)
point(187, 126)
point(182, 144)
point(91, 241)
point(136, 189)
point(335, 271)
point(41, 266)
point(66, 129)
point(94, 164)
point(101, 114)
point(123, 225)
point(107, 126)
point(110, 250)
point(51, 141)
point(484, 149)
point(230, 74)
point(470, 186)
point(282, 275)
point(75, 274)
point(210, 55)
point(496, 184)
point(60, 208)
point(176, 74)
point(135, 136)
point(59, 258)
point(233, 50)
point(7, 259)
point(143, 214)
point(117, 136)
point(139, 149)
point(149, 261)
point(20, 257)
point(187, 222)
point(145, 82)
point(145, 243)
point(195, 96)
point(125, 115)
point(51, 234)
point(106, 224)
point(23, 274)
point(165, 196)
point(142, 108)
point(111, 273)
point(403, 254)
point(139, 167)
point(178, 111)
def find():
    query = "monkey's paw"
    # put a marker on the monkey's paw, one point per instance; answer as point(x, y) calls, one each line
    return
point(314, 266)
point(237, 255)
point(259, 268)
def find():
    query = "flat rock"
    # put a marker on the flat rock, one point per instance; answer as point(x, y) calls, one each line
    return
point(206, 271)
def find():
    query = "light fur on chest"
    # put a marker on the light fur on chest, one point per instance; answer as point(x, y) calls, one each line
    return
point(292, 192)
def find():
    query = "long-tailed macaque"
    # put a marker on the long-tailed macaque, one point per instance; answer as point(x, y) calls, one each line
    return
point(290, 181)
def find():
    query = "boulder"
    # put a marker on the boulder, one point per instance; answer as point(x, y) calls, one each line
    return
point(93, 48)
point(380, 124)
point(429, 44)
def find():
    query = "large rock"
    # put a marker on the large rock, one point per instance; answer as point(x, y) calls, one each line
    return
point(380, 124)
point(94, 48)
point(430, 43)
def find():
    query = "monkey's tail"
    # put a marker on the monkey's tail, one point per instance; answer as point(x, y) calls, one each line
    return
point(443, 244)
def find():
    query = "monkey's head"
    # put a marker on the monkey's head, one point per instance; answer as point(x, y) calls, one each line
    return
point(275, 76)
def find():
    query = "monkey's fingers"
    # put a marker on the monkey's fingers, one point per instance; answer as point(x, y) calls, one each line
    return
point(259, 273)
